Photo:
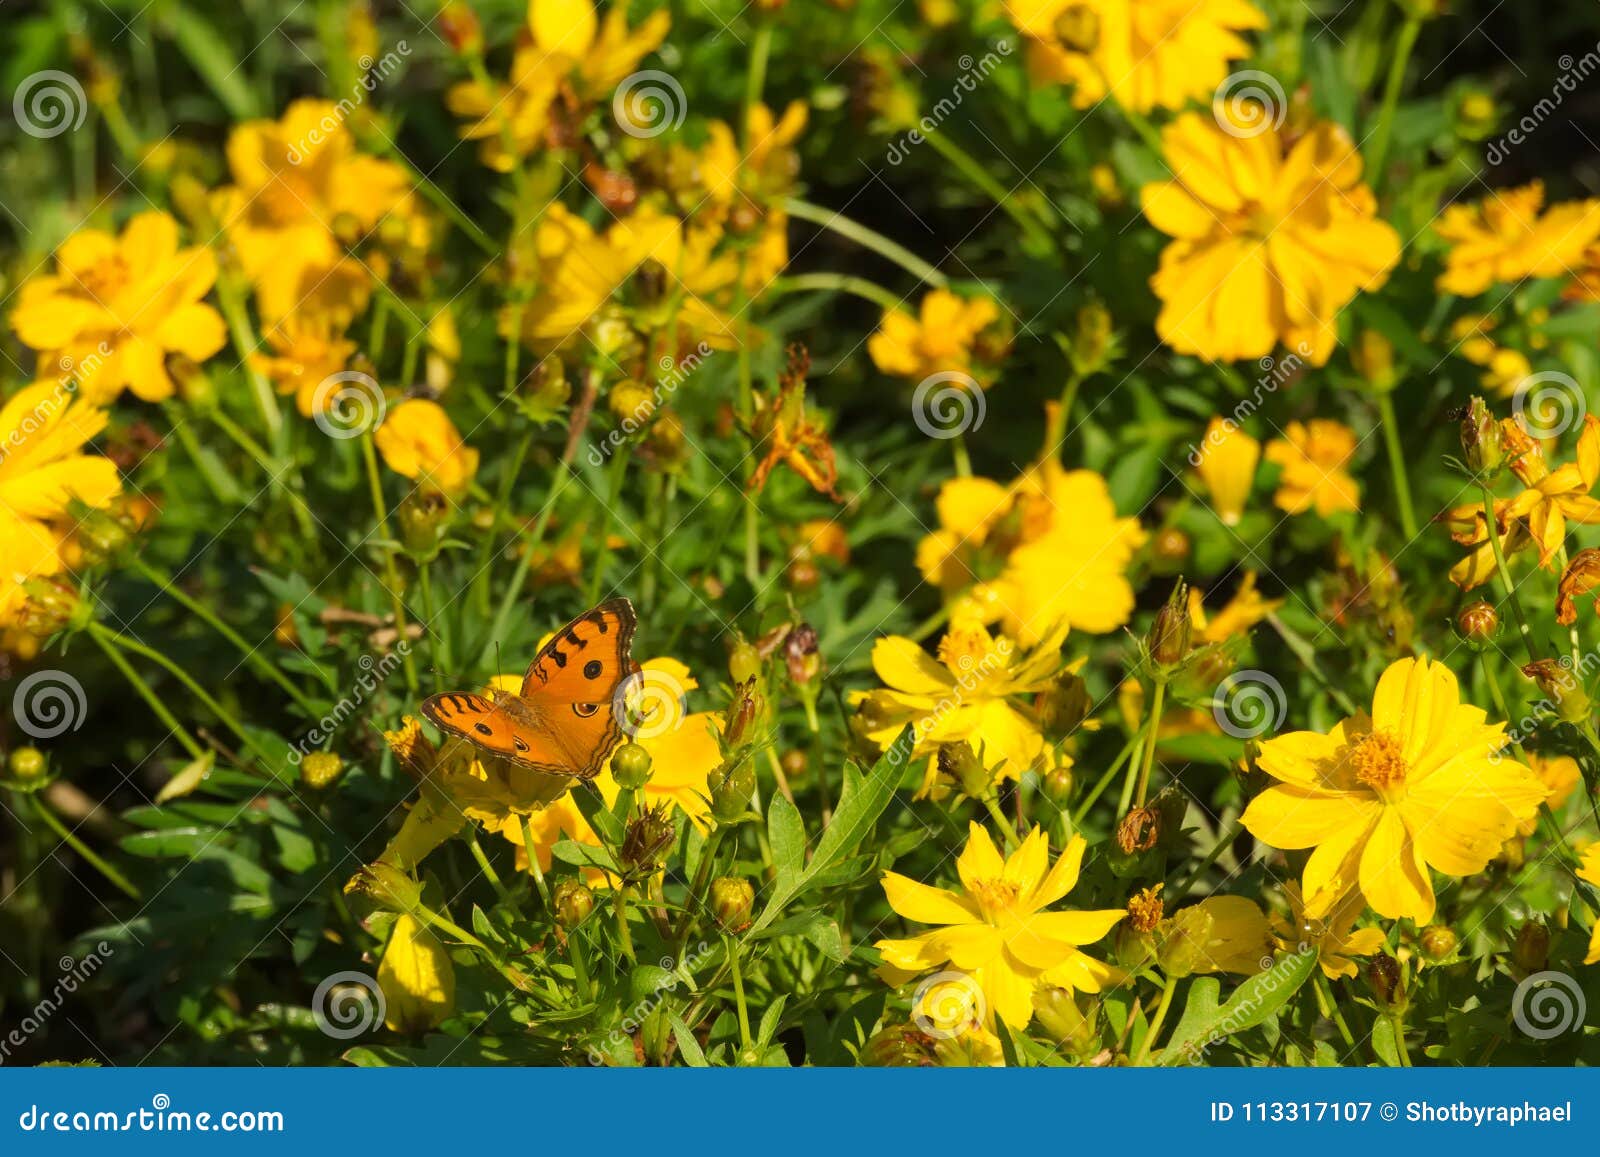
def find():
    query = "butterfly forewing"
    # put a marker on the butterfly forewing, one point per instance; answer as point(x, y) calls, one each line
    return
point(503, 727)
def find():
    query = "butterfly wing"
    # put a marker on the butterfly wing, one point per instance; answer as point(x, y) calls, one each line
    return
point(573, 679)
point(505, 727)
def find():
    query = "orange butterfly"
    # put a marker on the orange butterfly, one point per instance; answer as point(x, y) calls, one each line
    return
point(567, 717)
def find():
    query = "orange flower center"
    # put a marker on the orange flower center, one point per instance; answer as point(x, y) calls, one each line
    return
point(106, 279)
point(994, 897)
point(1379, 762)
point(1145, 909)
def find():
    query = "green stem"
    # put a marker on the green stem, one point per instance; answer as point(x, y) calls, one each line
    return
point(90, 856)
point(1391, 98)
point(1105, 780)
point(1156, 1022)
point(533, 863)
point(979, 176)
point(731, 948)
point(1157, 701)
point(867, 239)
point(1329, 1008)
point(245, 344)
point(136, 681)
point(580, 963)
point(490, 874)
point(525, 562)
point(1008, 830)
point(1308, 659)
point(1397, 465)
point(836, 283)
point(252, 655)
point(369, 455)
point(619, 901)
point(1492, 528)
point(1398, 1020)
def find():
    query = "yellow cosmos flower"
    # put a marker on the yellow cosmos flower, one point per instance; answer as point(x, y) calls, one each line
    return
point(567, 52)
point(1589, 872)
point(1047, 550)
point(1538, 516)
point(116, 306)
point(1417, 785)
point(1243, 611)
point(416, 977)
point(1272, 237)
point(307, 349)
point(940, 340)
point(767, 171)
point(295, 181)
point(966, 696)
point(1226, 462)
point(1506, 238)
point(580, 271)
point(1145, 53)
point(1334, 936)
point(1560, 776)
point(1313, 456)
point(419, 441)
point(996, 930)
point(43, 429)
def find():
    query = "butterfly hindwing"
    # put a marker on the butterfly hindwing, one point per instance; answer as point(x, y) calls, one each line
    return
point(574, 677)
point(503, 727)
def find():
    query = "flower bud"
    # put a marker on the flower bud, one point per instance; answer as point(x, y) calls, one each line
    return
point(423, 517)
point(648, 836)
point(319, 769)
point(1478, 623)
point(193, 384)
point(732, 900)
point(1530, 949)
point(958, 762)
point(1169, 550)
point(1181, 941)
point(1064, 1022)
point(800, 655)
point(897, 1047)
point(1078, 28)
point(630, 766)
point(1092, 340)
point(1387, 980)
point(1438, 942)
point(1475, 114)
point(386, 887)
point(744, 662)
point(1373, 357)
point(1481, 438)
point(101, 537)
point(573, 901)
point(1561, 688)
point(732, 785)
point(27, 764)
point(740, 719)
point(1063, 706)
point(1057, 785)
point(1168, 640)
point(52, 605)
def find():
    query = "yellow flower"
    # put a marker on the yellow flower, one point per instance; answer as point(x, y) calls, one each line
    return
point(1219, 934)
point(295, 181)
point(1504, 369)
point(966, 696)
point(43, 428)
point(939, 341)
point(1539, 515)
point(1147, 53)
point(995, 929)
point(419, 441)
point(1243, 611)
point(1505, 238)
point(767, 171)
point(1047, 550)
point(1589, 872)
point(1313, 458)
point(118, 305)
point(1334, 936)
point(1560, 776)
point(1227, 460)
point(568, 52)
point(308, 348)
point(416, 977)
point(1273, 236)
point(580, 271)
point(1382, 799)
point(683, 750)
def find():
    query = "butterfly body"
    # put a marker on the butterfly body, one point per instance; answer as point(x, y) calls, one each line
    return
point(562, 721)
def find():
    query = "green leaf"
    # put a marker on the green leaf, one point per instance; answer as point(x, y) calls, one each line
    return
point(861, 801)
point(211, 57)
point(1204, 1023)
point(688, 1047)
point(170, 842)
point(1383, 1042)
point(786, 832)
point(769, 1022)
point(189, 777)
